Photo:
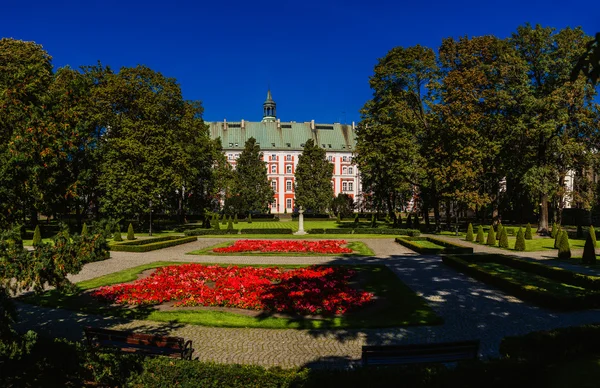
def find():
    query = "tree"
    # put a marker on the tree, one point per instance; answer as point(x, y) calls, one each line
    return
point(37, 236)
point(117, 235)
point(251, 184)
point(84, 230)
point(593, 234)
point(554, 230)
point(564, 250)
point(557, 236)
point(130, 234)
point(480, 239)
point(520, 242)
point(528, 235)
point(503, 241)
point(343, 205)
point(491, 237)
point(469, 236)
point(589, 62)
point(589, 251)
point(229, 224)
point(313, 179)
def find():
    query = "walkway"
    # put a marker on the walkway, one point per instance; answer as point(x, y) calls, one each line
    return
point(471, 310)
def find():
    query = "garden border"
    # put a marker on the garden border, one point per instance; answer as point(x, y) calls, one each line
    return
point(449, 248)
point(153, 244)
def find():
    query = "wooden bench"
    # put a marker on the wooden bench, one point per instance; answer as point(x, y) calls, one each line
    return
point(420, 353)
point(148, 344)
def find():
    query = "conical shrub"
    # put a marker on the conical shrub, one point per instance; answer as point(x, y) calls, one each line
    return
point(399, 220)
point(469, 236)
point(589, 251)
point(230, 224)
point(528, 235)
point(37, 236)
point(107, 231)
point(84, 230)
point(556, 236)
point(499, 231)
point(480, 238)
point(416, 222)
point(409, 223)
point(503, 241)
point(117, 236)
point(491, 237)
point(356, 219)
point(564, 249)
point(338, 219)
point(224, 220)
point(249, 218)
point(217, 224)
point(593, 234)
point(520, 242)
point(130, 234)
point(373, 221)
point(235, 219)
point(554, 231)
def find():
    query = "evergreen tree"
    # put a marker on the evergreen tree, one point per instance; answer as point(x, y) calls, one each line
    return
point(554, 231)
point(250, 182)
point(249, 218)
point(480, 238)
point(589, 251)
point(117, 236)
point(130, 234)
point(313, 178)
point(528, 235)
point(230, 224)
point(556, 236)
point(503, 241)
point(469, 236)
point(37, 236)
point(217, 224)
point(235, 219)
point(499, 231)
point(564, 249)
point(491, 237)
point(84, 230)
point(107, 230)
point(593, 234)
point(520, 242)
point(224, 219)
point(338, 219)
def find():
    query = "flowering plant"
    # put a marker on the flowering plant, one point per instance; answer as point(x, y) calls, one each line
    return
point(311, 290)
point(287, 246)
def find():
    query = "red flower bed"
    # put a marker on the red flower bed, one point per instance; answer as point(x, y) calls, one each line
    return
point(288, 246)
point(312, 290)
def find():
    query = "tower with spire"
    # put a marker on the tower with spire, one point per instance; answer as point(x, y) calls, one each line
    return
point(269, 109)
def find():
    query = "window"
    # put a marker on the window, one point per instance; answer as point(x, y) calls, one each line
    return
point(288, 186)
point(272, 144)
point(230, 144)
point(330, 158)
point(344, 159)
point(274, 204)
point(288, 157)
point(288, 169)
point(274, 185)
point(329, 145)
point(273, 157)
point(236, 144)
point(273, 169)
point(344, 186)
point(350, 186)
point(344, 170)
point(288, 203)
point(230, 156)
point(350, 170)
point(323, 145)
point(288, 144)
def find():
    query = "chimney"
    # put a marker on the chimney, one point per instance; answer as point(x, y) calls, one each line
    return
point(242, 126)
point(353, 126)
point(225, 124)
point(312, 124)
point(278, 124)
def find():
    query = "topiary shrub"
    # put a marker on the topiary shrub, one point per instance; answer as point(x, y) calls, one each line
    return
point(503, 241)
point(398, 220)
point(338, 219)
point(235, 219)
point(556, 236)
point(373, 221)
point(480, 238)
point(356, 219)
point(117, 236)
point(589, 251)
point(107, 230)
point(499, 231)
point(229, 224)
point(37, 236)
point(564, 250)
point(409, 223)
point(216, 224)
point(130, 234)
point(416, 222)
point(528, 235)
point(491, 237)
point(249, 218)
point(579, 231)
point(84, 231)
point(520, 242)
point(593, 234)
point(469, 236)
point(224, 220)
point(554, 231)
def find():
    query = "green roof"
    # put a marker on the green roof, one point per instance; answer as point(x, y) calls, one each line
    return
point(286, 136)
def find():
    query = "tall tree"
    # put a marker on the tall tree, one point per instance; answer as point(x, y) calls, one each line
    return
point(313, 179)
point(251, 184)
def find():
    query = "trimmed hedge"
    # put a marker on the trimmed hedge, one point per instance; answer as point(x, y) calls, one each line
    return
point(401, 232)
point(206, 232)
point(448, 247)
point(468, 265)
point(266, 231)
point(151, 244)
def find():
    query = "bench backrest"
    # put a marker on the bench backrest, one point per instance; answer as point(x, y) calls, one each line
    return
point(115, 336)
point(420, 353)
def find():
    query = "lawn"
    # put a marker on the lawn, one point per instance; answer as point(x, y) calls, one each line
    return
point(538, 244)
point(396, 305)
point(359, 249)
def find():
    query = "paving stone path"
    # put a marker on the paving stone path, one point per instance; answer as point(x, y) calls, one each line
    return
point(471, 310)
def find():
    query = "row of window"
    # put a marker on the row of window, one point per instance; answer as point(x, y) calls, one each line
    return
point(346, 186)
point(288, 169)
point(288, 204)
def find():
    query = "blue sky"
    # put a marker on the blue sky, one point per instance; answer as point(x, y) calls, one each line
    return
point(316, 56)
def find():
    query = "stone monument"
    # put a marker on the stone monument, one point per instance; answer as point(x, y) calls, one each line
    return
point(300, 222)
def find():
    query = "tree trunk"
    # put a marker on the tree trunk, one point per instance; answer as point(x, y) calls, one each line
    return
point(426, 212)
point(543, 223)
point(448, 215)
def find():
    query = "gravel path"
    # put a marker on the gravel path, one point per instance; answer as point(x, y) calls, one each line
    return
point(471, 310)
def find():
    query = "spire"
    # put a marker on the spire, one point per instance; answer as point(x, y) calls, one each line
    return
point(269, 108)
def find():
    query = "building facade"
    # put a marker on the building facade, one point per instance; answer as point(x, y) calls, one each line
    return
point(282, 143)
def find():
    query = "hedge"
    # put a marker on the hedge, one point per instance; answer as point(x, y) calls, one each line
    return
point(205, 232)
point(266, 231)
point(448, 247)
point(401, 232)
point(468, 265)
point(151, 244)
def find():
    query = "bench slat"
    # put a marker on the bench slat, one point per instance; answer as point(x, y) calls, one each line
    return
point(420, 353)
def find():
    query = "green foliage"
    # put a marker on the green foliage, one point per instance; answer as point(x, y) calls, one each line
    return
point(250, 218)
point(224, 220)
point(313, 179)
point(438, 247)
point(593, 234)
point(409, 223)
point(338, 219)
point(216, 224)
point(520, 242)
point(503, 241)
point(480, 238)
point(416, 222)
point(343, 205)
point(235, 218)
point(151, 244)
point(491, 237)
point(564, 250)
point(373, 221)
point(554, 230)
point(37, 236)
point(499, 231)
point(589, 251)
point(130, 233)
point(579, 231)
point(252, 190)
point(557, 235)
point(528, 235)
point(356, 222)
point(117, 236)
point(469, 236)
point(266, 231)
point(229, 224)
point(84, 230)
point(108, 229)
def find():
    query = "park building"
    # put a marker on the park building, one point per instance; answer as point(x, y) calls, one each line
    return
point(282, 142)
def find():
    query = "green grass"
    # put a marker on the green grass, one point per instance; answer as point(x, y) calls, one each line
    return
point(427, 244)
point(400, 306)
point(539, 244)
point(359, 248)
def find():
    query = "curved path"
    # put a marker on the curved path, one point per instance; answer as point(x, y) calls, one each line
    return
point(471, 310)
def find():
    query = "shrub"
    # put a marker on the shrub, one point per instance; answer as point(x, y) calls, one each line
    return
point(316, 231)
point(416, 224)
point(373, 221)
point(528, 235)
point(229, 224)
point(117, 236)
point(579, 231)
point(249, 218)
point(564, 250)
point(491, 237)
point(480, 238)
point(235, 219)
point(217, 227)
point(205, 232)
point(469, 233)
point(356, 219)
point(398, 220)
point(224, 220)
point(520, 242)
point(338, 219)
point(503, 241)
point(107, 230)
point(130, 234)
point(589, 251)
point(557, 236)
point(554, 230)
point(37, 236)
point(266, 231)
point(593, 234)
point(153, 244)
point(409, 223)
point(499, 231)
point(84, 230)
